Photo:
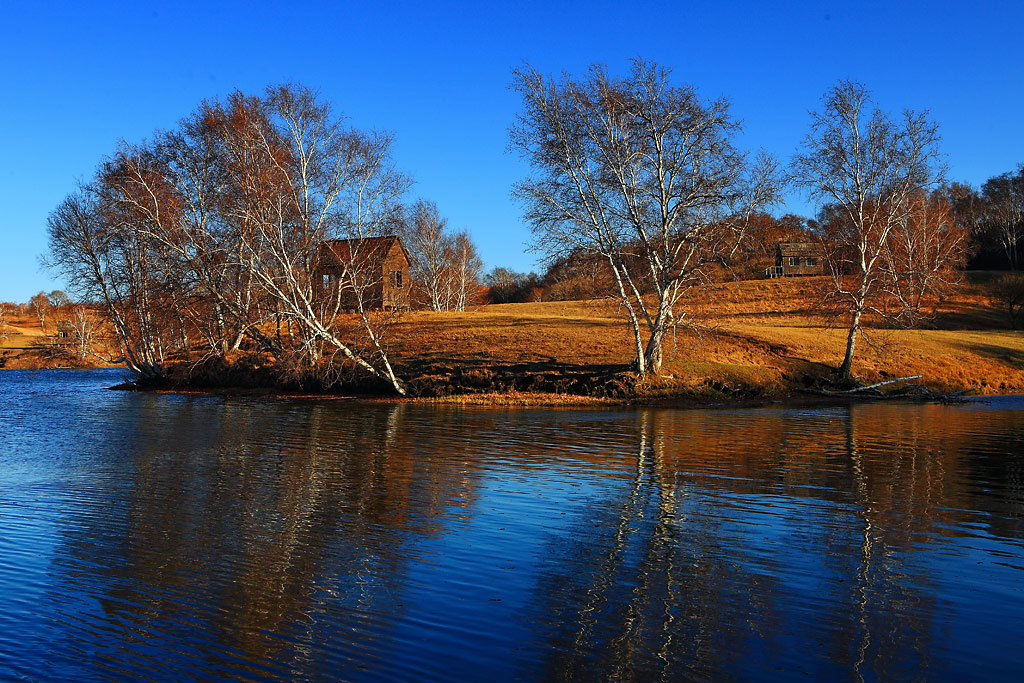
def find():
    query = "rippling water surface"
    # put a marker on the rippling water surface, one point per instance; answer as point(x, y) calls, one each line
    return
point(147, 537)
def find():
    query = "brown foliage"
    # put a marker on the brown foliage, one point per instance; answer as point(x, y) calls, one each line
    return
point(195, 241)
point(757, 251)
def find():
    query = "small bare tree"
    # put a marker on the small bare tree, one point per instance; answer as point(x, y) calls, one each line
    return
point(425, 237)
point(643, 173)
point(59, 298)
point(875, 174)
point(925, 256)
point(41, 305)
point(82, 328)
point(466, 267)
point(1008, 290)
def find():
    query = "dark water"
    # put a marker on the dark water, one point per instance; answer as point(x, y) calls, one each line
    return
point(164, 538)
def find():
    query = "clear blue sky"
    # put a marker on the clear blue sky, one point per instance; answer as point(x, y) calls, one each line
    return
point(77, 77)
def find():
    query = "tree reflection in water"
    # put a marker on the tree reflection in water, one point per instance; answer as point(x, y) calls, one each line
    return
point(299, 541)
point(716, 564)
point(286, 541)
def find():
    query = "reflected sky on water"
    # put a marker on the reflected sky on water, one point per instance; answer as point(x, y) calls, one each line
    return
point(161, 537)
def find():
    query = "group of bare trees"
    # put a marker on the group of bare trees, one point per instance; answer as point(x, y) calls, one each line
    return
point(75, 328)
point(79, 328)
point(445, 267)
point(995, 214)
point(507, 286)
point(644, 174)
point(210, 238)
point(208, 235)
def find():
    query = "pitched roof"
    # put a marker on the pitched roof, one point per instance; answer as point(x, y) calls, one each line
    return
point(787, 249)
point(369, 248)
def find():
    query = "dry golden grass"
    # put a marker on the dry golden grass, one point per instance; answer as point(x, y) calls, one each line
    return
point(21, 332)
point(19, 338)
point(26, 345)
point(764, 335)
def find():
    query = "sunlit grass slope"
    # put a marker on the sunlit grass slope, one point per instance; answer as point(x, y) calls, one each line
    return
point(762, 336)
point(24, 344)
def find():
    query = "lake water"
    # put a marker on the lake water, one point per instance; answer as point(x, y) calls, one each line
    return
point(165, 538)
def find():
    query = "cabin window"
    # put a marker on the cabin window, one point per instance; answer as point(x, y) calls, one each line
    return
point(396, 278)
point(325, 280)
point(811, 261)
point(794, 260)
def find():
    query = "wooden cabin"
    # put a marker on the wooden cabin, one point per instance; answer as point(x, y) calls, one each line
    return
point(796, 258)
point(379, 264)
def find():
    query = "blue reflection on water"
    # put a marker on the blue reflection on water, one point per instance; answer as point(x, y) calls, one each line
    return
point(160, 537)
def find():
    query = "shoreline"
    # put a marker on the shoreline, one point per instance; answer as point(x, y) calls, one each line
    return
point(763, 344)
point(497, 399)
point(709, 395)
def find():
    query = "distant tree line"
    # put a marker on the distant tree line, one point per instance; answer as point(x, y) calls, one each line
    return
point(994, 214)
point(579, 274)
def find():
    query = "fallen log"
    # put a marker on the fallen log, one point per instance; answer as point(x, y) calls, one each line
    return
point(912, 391)
point(873, 388)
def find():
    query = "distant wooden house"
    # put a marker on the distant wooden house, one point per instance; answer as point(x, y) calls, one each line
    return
point(380, 266)
point(796, 258)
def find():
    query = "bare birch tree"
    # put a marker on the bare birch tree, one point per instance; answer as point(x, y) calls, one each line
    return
point(875, 173)
point(219, 298)
point(445, 266)
point(83, 328)
point(1001, 214)
point(104, 259)
point(425, 237)
point(924, 258)
point(304, 178)
point(643, 173)
point(466, 268)
point(41, 305)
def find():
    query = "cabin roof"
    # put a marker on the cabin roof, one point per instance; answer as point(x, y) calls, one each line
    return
point(369, 248)
point(787, 249)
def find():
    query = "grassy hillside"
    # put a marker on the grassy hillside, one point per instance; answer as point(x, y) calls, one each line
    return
point(757, 338)
point(25, 344)
point(21, 338)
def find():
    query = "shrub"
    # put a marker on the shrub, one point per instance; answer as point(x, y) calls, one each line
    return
point(1008, 290)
